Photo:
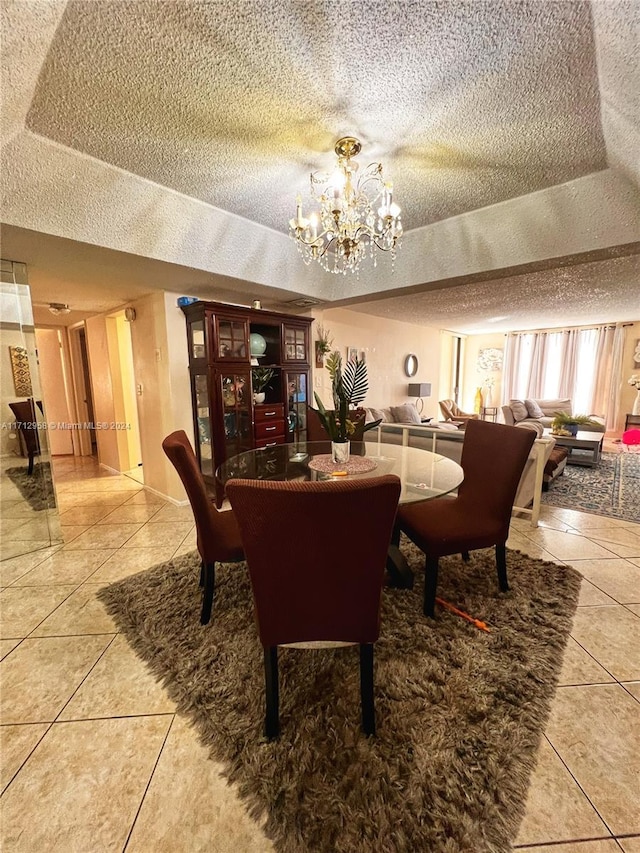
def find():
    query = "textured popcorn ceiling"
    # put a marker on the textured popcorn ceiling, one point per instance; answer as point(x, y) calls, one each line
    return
point(466, 103)
point(160, 145)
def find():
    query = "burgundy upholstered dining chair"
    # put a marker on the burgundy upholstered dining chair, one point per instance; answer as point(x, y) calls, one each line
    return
point(218, 533)
point(493, 458)
point(25, 415)
point(316, 553)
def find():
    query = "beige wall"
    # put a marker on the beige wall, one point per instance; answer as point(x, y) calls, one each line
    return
point(629, 367)
point(386, 343)
point(473, 377)
point(54, 390)
point(102, 387)
point(159, 343)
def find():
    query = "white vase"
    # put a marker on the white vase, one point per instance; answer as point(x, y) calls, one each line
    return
point(340, 452)
point(486, 397)
point(636, 404)
point(259, 396)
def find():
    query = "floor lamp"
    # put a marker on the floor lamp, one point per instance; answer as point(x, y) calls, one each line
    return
point(419, 390)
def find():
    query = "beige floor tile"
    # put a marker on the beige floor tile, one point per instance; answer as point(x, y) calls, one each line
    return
point(634, 608)
point(131, 514)
point(583, 521)
point(599, 846)
point(100, 499)
point(104, 536)
point(16, 509)
point(82, 786)
point(16, 742)
point(189, 807)
point(532, 549)
point(12, 569)
point(595, 730)
point(630, 845)
point(144, 496)
point(578, 667)
point(635, 561)
point(72, 531)
point(557, 810)
point(81, 613)
point(15, 547)
point(40, 676)
point(7, 646)
point(612, 636)
point(65, 567)
point(171, 512)
point(616, 548)
point(153, 535)
point(621, 535)
point(130, 561)
point(590, 594)
point(619, 578)
point(114, 483)
point(85, 514)
point(634, 688)
point(120, 685)
point(187, 547)
point(568, 546)
point(23, 608)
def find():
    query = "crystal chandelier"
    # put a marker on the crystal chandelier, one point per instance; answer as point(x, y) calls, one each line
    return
point(356, 214)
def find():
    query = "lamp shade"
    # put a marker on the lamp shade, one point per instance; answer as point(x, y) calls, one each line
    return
point(419, 389)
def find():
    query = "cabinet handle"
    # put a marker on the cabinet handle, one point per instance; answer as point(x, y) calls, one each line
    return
point(269, 429)
point(272, 444)
point(269, 414)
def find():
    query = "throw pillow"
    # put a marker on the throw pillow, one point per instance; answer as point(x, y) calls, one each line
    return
point(378, 415)
point(518, 409)
point(407, 414)
point(534, 409)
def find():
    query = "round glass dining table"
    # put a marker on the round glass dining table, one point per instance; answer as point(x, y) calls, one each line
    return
point(423, 475)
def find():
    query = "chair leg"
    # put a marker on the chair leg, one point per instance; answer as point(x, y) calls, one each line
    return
point(430, 584)
point(501, 565)
point(465, 556)
point(30, 468)
point(395, 534)
point(209, 585)
point(271, 720)
point(366, 689)
point(202, 573)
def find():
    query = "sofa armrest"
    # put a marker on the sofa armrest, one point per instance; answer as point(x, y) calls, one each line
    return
point(507, 414)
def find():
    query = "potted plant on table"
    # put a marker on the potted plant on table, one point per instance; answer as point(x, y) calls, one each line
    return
point(565, 424)
point(349, 388)
point(260, 380)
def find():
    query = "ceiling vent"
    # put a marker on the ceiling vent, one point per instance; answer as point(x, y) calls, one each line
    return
point(304, 302)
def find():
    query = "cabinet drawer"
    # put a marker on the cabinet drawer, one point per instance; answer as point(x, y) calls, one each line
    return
point(270, 442)
point(271, 412)
point(269, 429)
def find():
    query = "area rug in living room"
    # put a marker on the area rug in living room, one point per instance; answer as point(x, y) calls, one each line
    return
point(460, 712)
point(612, 488)
point(35, 488)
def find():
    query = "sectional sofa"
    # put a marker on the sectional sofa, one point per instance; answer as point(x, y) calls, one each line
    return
point(543, 411)
point(446, 439)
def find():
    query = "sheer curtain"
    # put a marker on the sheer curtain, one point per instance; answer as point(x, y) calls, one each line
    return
point(583, 364)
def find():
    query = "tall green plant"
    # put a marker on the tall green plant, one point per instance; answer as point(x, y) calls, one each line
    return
point(349, 388)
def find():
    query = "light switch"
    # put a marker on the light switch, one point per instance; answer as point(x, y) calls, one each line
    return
point(139, 390)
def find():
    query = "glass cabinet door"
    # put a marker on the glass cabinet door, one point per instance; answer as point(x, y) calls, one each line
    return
point(231, 339)
point(197, 339)
point(297, 383)
point(203, 424)
point(295, 343)
point(235, 393)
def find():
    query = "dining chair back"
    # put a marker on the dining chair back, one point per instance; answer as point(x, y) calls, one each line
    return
point(493, 458)
point(25, 415)
point(218, 535)
point(316, 553)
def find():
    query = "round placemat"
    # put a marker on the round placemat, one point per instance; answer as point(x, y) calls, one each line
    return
point(355, 465)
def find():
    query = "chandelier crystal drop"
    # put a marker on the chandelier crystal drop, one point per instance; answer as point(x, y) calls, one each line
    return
point(355, 214)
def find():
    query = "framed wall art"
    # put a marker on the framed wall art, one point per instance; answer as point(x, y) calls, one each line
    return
point(21, 373)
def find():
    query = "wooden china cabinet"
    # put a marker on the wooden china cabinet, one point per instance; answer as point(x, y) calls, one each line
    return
point(226, 420)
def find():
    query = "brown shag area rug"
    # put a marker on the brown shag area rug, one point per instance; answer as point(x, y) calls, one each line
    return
point(459, 712)
point(35, 488)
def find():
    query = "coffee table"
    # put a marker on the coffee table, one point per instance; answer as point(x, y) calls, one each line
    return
point(584, 448)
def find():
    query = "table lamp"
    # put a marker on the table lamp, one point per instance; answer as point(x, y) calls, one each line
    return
point(419, 390)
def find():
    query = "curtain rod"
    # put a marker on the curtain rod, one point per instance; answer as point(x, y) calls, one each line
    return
point(569, 329)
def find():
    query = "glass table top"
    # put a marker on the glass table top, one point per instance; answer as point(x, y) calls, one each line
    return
point(423, 474)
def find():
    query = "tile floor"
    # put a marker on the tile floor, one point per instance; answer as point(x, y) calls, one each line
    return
point(94, 758)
